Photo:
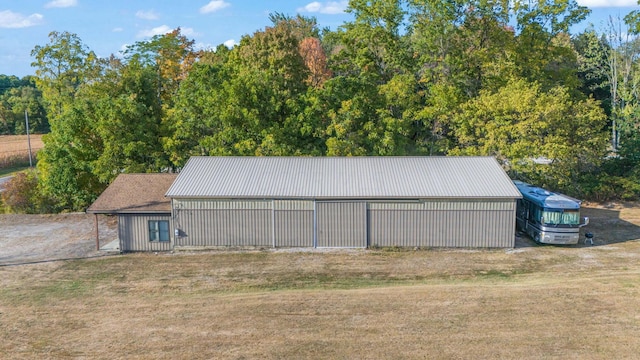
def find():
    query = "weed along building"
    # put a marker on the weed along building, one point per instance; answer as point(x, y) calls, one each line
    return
point(343, 202)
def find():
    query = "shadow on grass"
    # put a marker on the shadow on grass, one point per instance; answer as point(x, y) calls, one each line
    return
point(608, 227)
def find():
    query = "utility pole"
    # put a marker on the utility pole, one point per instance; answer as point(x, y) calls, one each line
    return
point(26, 120)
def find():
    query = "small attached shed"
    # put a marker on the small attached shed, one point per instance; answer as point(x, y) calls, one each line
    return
point(343, 202)
point(144, 213)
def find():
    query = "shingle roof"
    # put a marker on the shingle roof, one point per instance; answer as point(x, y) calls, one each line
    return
point(343, 178)
point(135, 193)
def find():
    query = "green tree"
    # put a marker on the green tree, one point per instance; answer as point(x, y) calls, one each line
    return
point(126, 113)
point(199, 126)
point(543, 53)
point(65, 164)
point(171, 55)
point(62, 67)
point(593, 52)
point(16, 97)
point(250, 100)
point(461, 48)
point(8, 82)
point(371, 66)
point(29, 99)
point(521, 123)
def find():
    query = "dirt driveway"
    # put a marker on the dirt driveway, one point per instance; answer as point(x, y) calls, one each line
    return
point(39, 238)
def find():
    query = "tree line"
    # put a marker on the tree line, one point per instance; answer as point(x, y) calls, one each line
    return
point(404, 77)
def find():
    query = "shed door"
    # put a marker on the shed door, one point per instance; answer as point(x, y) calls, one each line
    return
point(341, 224)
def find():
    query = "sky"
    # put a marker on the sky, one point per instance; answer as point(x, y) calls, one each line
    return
point(107, 27)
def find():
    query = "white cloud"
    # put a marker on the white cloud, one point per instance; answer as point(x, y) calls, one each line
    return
point(328, 7)
point(230, 43)
point(203, 46)
point(160, 30)
point(147, 15)
point(61, 4)
point(11, 20)
point(607, 3)
point(188, 32)
point(118, 29)
point(214, 6)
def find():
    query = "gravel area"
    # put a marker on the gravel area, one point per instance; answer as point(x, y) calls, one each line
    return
point(40, 238)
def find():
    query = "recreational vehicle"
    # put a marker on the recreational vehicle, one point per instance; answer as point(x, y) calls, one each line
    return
point(547, 217)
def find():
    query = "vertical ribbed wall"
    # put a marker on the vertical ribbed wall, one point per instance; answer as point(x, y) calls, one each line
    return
point(293, 221)
point(440, 224)
point(290, 223)
point(133, 232)
point(224, 223)
point(248, 227)
point(341, 224)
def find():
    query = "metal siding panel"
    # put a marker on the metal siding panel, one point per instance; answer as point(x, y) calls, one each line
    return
point(225, 223)
point(294, 228)
point(133, 231)
point(123, 234)
point(341, 224)
point(440, 226)
point(293, 205)
point(215, 204)
point(293, 221)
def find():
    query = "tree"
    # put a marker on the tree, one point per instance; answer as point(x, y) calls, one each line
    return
point(541, 49)
point(29, 99)
point(593, 53)
point(63, 68)
point(246, 101)
point(460, 48)
point(127, 119)
point(172, 55)
point(8, 82)
point(315, 60)
point(16, 97)
point(521, 123)
point(371, 66)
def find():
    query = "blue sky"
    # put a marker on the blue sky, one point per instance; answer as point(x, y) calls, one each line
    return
point(107, 26)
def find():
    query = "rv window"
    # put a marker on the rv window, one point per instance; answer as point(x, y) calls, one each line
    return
point(559, 217)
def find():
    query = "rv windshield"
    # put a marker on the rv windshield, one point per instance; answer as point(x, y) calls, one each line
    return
point(561, 217)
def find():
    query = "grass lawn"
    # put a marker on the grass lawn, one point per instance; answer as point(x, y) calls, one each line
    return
point(13, 170)
point(537, 302)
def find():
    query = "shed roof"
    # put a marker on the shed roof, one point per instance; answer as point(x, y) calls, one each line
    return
point(135, 193)
point(343, 178)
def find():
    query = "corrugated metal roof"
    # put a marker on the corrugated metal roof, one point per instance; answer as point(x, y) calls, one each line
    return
point(343, 178)
point(135, 193)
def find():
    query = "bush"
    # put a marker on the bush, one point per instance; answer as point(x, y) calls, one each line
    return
point(606, 187)
point(22, 195)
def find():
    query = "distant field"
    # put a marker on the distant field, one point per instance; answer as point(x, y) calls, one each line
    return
point(14, 149)
point(531, 302)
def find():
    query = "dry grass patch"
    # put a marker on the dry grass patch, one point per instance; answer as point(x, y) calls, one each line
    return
point(14, 149)
point(539, 303)
point(532, 302)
